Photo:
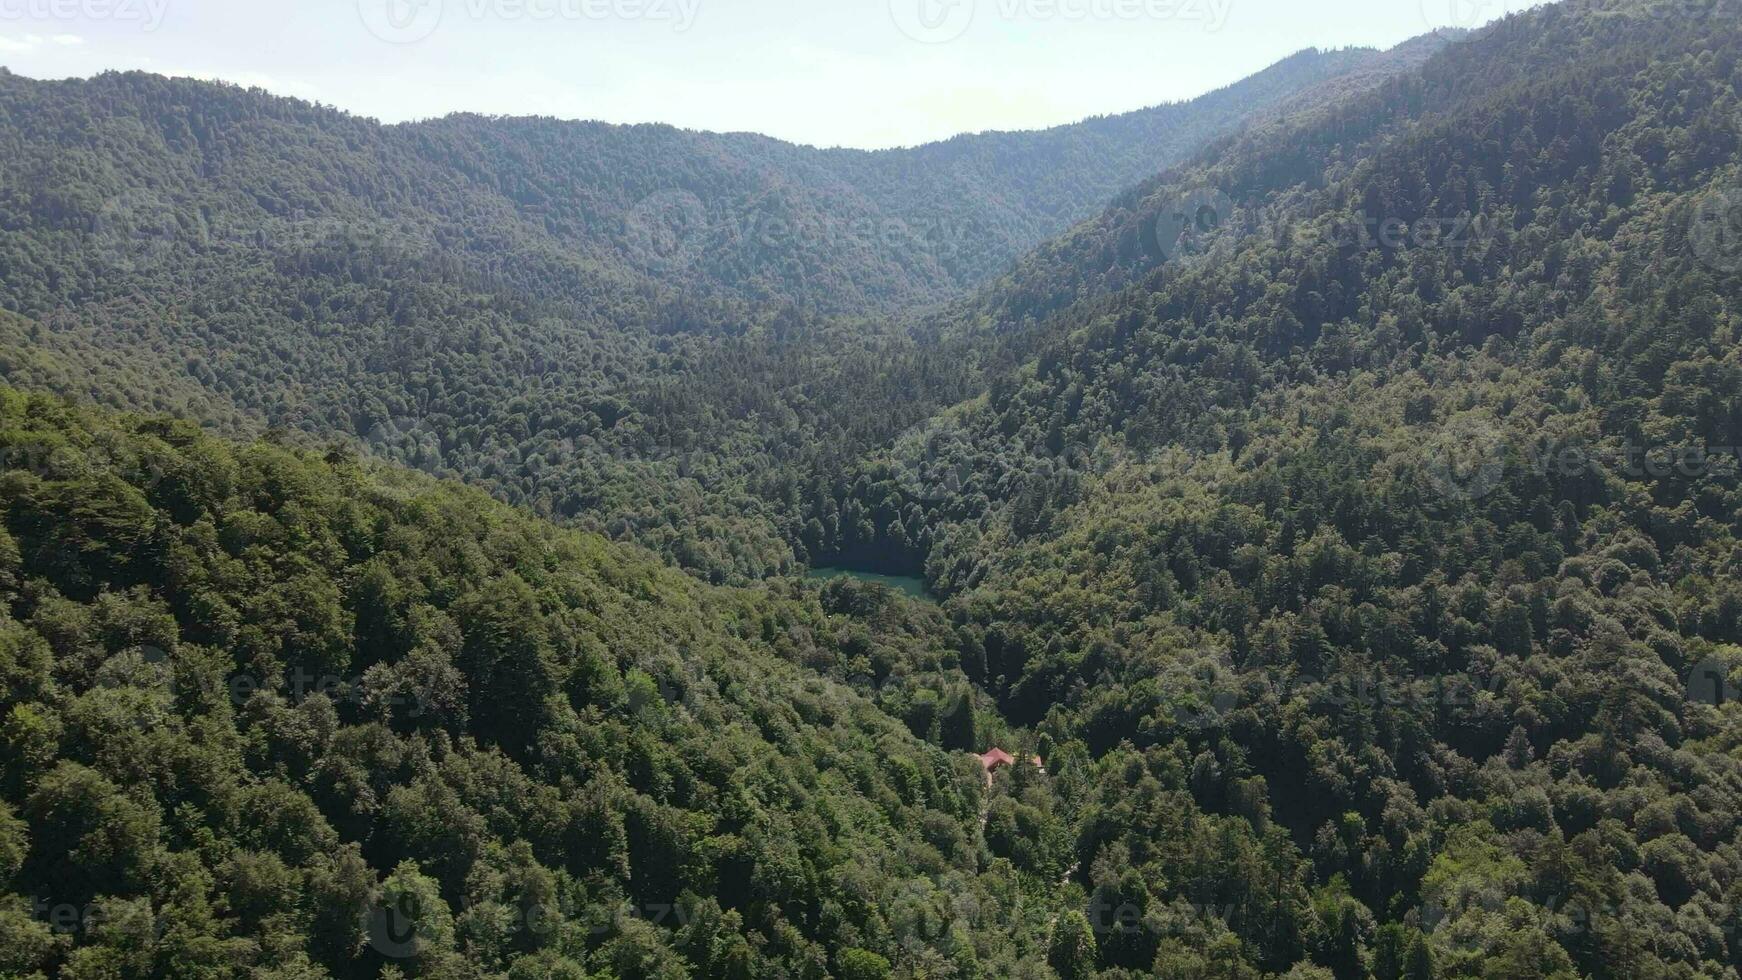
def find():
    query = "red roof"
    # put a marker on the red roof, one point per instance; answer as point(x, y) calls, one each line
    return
point(996, 758)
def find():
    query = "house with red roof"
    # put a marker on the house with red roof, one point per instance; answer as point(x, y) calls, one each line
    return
point(996, 758)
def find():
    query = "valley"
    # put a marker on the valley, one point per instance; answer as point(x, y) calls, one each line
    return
point(467, 549)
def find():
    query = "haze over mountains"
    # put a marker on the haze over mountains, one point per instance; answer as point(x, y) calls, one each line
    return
point(723, 215)
point(1286, 469)
point(573, 303)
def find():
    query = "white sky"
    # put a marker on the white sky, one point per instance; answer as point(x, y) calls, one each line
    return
point(866, 73)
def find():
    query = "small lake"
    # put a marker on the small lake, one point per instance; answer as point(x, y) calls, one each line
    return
point(910, 585)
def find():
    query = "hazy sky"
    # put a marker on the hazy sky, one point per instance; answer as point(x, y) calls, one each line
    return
point(867, 73)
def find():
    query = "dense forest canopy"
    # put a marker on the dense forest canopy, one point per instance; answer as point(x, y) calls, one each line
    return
point(264, 712)
point(1347, 518)
point(1418, 550)
point(653, 351)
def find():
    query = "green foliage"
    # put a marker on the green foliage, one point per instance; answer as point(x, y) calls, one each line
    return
point(1322, 568)
point(319, 719)
point(1338, 557)
point(1072, 951)
point(659, 353)
point(861, 964)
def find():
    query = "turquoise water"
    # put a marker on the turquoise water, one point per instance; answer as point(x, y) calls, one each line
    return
point(907, 584)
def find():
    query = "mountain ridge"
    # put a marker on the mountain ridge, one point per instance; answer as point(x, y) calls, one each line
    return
point(722, 178)
point(571, 277)
point(1348, 518)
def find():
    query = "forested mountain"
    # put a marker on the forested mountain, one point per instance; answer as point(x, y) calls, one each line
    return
point(851, 231)
point(1348, 518)
point(487, 299)
point(614, 219)
point(1388, 502)
point(264, 714)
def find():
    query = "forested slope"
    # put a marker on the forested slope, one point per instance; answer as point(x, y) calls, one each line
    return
point(1348, 517)
point(533, 306)
point(614, 218)
point(1393, 508)
point(264, 714)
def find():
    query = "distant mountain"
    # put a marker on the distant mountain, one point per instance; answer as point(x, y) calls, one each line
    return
point(596, 321)
point(576, 208)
